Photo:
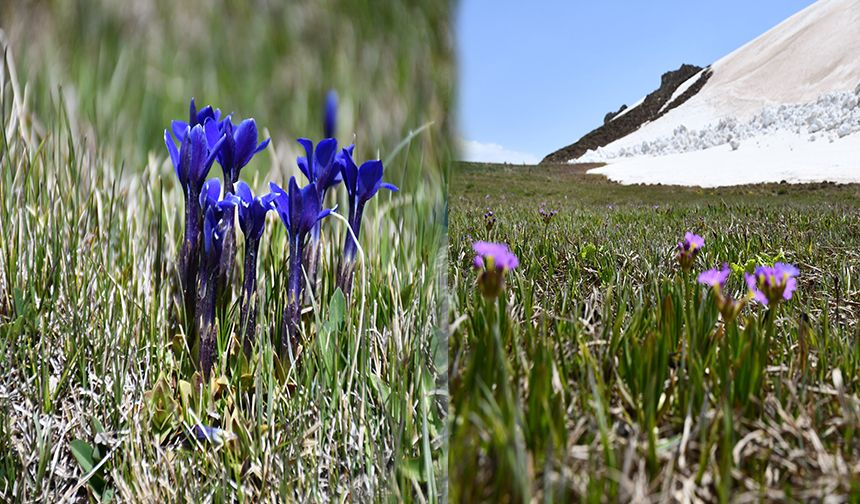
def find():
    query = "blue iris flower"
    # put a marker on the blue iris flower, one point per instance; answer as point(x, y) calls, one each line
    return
point(252, 220)
point(195, 117)
point(300, 210)
point(240, 146)
point(362, 183)
point(192, 162)
point(320, 166)
point(215, 227)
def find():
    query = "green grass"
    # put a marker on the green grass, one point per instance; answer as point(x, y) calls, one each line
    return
point(97, 393)
point(604, 374)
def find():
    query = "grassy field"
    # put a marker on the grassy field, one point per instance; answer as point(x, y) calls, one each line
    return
point(604, 373)
point(98, 395)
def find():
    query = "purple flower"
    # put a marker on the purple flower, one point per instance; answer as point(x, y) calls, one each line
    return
point(240, 145)
point(772, 284)
point(194, 118)
point(211, 434)
point(493, 260)
point(215, 228)
point(728, 307)
point(191, 162)
point(688, 249)
point(330, 115)
point(715, 277)
point(547, 215)
point(494, 256)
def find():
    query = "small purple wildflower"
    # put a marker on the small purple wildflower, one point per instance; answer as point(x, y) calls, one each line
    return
point(205, 433)
point(688, 249)
point(240, 146)
point(323, 168)
point(771, 284)
point(493, 260)
point(192, 162)
point(547, 215)
point(716, 279)
point(489, 220)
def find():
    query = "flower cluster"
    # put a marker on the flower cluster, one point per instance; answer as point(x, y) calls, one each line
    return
point(209, 218)
point(768, 284)
point(493, 260)
point(547, 215)
point(489, 220)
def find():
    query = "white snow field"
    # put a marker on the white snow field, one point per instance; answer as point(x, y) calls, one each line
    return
point(785, 106)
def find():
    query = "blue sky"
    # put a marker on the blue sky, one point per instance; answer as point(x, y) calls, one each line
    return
point(536, 76)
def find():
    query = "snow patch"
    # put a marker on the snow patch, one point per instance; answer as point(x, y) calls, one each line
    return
point(831, 116)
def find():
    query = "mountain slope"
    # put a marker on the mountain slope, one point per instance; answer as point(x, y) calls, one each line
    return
point(798, 78)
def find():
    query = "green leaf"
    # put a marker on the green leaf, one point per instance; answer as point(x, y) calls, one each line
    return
point(83, 453)
point(337, 309)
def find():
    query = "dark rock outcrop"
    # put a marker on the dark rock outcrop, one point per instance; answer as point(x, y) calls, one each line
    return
point(650, 109)
point(610, 116)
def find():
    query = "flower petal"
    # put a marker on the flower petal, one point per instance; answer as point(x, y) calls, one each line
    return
point(179, 128)
point(246, 141)
point(349, 171)
point(210, 194)
point(369, 176)
point(174, 154)
point(262, 146)
point(306, 164)
point(244, 192)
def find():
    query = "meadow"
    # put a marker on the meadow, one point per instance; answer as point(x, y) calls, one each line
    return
point(603, 372)
point(100, 399)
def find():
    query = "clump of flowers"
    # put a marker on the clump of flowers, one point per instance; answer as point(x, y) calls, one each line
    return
point(716, 278)
point(769, 285)
point(489, 220)
point(547, 215)
point(208, 251)
point(688, 249)
point(492, 260)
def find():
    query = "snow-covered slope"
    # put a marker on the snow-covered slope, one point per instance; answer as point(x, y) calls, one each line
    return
point(796, 83)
